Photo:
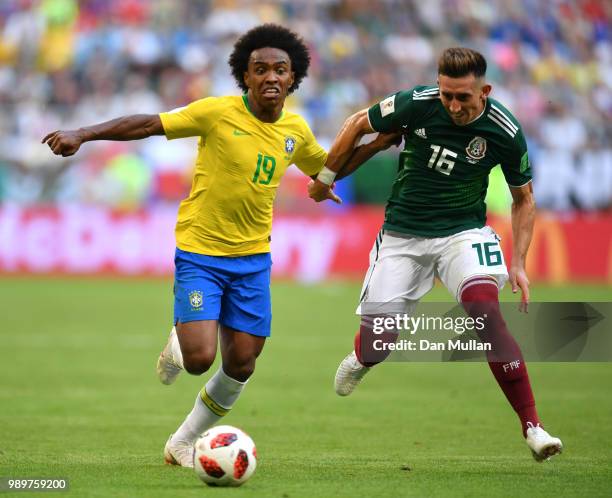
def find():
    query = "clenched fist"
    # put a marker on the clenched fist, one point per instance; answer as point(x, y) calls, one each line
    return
point(64, 143)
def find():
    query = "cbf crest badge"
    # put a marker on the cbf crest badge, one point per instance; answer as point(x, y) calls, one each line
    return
point(476, 149)
point(289, 145)
point(196, 299)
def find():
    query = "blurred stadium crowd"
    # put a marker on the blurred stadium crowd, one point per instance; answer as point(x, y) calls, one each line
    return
point(69, 63)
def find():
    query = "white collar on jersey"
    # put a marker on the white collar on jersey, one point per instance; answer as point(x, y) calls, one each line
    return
point(478, 117)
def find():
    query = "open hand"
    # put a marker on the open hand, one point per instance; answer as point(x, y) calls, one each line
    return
point(519, 280)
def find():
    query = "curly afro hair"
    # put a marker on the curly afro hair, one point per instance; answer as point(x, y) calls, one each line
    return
point(275, 36)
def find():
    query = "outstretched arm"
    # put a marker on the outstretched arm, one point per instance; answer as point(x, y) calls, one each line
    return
point(134, 127)
point(355, 127)
point(366, 151)
point(360, 155)
point(523, 217)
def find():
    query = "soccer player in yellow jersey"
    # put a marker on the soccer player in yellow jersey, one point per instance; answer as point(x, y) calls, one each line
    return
point(222, 277)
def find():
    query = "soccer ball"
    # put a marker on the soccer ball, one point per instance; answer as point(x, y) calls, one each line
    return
point(224, 456)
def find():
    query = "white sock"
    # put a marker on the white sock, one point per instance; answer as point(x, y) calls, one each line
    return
point(213, 402)
point(176, 350)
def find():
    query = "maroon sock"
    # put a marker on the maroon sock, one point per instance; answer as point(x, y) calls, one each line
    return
point(357, 342)
point(366, 354)
point(480, 297)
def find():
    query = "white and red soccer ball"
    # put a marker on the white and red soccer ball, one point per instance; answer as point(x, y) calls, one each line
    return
point(225, 456)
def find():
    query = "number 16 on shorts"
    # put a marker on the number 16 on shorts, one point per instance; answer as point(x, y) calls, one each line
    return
point(489, 254)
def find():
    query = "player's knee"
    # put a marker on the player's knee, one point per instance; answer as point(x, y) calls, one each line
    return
point(480, 299)
point(489, 315)
point(486, 309)
point(240, 369)
point(198, 363)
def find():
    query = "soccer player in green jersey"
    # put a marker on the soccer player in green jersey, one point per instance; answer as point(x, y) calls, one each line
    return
point(435, 219)
point(222, 276)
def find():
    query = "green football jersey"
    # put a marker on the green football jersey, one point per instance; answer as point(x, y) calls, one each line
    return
point(444, 168)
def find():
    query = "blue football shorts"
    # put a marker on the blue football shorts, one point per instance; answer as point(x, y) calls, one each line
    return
point(233, 290)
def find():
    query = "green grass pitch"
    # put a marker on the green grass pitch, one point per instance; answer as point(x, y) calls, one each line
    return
point(79, 399)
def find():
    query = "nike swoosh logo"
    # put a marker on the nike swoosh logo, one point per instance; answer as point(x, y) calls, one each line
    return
point(240, 133)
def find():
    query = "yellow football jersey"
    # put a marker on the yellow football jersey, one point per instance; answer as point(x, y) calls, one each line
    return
point(238, 168)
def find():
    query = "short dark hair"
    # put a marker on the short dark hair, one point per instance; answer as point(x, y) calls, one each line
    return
point(274, 36)
point(457, 62)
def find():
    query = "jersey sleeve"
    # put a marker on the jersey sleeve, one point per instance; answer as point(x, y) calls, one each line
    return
point(310, 157)
point(195, 119)
point(517, 167)
point(392, 113)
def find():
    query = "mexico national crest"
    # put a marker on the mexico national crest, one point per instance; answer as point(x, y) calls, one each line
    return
point(476, 148)
point(289, 145)
point(196, 299)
